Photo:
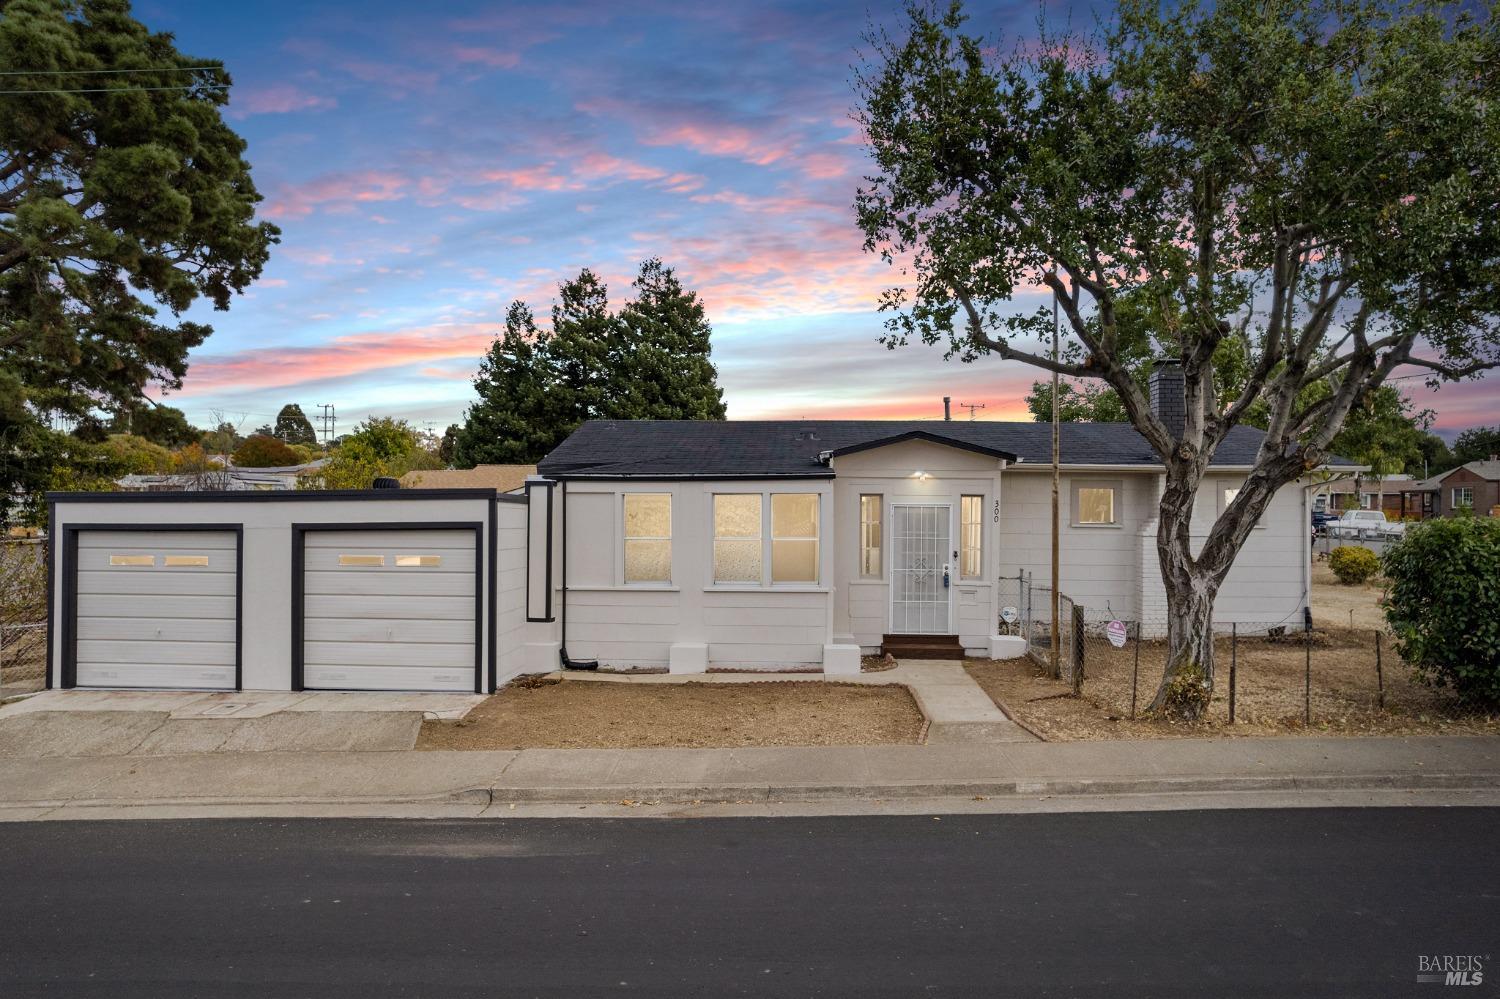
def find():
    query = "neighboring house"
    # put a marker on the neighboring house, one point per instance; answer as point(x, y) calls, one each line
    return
point(501, 478)
point(1366, 492)
point(1473, 486)
point(227, 478)
point(754, 545)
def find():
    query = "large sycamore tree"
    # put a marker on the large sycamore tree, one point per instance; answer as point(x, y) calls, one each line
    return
point(1312, 184)
point(124, 198)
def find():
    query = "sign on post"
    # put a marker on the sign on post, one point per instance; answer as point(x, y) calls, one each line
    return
point(1115, 631)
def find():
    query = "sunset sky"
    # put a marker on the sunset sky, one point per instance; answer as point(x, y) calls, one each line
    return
point(429, 163)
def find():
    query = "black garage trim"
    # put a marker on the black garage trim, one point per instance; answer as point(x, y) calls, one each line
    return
point(494, 557)
point(299, 578)
point(546, 615)
point(274, 496)
point(69, 624)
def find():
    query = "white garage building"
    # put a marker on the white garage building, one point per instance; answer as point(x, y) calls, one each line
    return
point(365, 590)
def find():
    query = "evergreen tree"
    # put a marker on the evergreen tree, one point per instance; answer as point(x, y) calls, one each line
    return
point(446, 445)
point(514, 422)
point(581, 349)
point(293, 426)
point(659, 365)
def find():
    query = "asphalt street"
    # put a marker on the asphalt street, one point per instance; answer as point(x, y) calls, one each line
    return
point(1189, 903)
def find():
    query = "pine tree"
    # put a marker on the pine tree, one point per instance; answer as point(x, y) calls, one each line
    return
point(581, 350)
point(659, 365)
point(514, 422)
point(293, 426)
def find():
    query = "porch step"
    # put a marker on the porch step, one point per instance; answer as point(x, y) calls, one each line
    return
point(922, 646)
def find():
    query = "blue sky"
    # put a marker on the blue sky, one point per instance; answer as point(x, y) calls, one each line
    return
point(429, 163)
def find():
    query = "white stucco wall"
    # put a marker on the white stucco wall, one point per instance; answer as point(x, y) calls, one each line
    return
point(635, 625)
point(266, 609)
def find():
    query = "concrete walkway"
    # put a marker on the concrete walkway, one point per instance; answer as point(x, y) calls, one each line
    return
point(32, 787)
point(957, 709)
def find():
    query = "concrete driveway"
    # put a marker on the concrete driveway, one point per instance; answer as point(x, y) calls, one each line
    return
point(77, 723)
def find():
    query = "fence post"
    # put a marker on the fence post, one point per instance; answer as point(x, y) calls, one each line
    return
point(1379, 674)
point(1077, 648)
point(1234, 654)
point(1135, 670)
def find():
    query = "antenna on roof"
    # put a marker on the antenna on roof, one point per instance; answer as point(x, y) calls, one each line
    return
point(971, 407)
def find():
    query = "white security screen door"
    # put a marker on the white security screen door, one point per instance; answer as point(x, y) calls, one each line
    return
point(919, 550)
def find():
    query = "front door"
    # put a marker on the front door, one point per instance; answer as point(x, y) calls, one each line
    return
point(920, 557)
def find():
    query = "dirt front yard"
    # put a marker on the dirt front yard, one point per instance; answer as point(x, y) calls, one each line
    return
point(592, 714)
point(1268, 694)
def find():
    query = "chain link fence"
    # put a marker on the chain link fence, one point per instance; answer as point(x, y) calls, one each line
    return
point(1273, 671)
point(23, 615)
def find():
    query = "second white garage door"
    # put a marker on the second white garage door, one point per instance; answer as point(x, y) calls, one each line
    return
point(389, 610)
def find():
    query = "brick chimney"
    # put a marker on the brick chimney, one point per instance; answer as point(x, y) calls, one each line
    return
point(1168, 395)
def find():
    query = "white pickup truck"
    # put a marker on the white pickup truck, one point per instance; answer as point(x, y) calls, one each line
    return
point(1365, 524)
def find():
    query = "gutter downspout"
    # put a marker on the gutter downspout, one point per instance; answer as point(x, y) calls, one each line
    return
point(562, 648)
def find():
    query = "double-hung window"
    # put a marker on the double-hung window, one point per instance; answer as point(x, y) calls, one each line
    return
point(970, 536)
point(741, 530)
point(648, 537)
point(1463, 496)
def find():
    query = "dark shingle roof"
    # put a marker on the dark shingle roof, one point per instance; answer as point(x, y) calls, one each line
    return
point(789, 448)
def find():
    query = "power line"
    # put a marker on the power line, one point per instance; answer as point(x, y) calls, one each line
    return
point(81, 72)
point(120, 90)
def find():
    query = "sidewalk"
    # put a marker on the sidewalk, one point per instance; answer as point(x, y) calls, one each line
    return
point(39, 785)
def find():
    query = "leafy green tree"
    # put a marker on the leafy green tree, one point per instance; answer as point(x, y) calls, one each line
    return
point(293, 426)
point(518, 418)
point(121, 194)
point(264, 451)
point(1444, 603)
point(1383, 432)
point(648, 361)
point(221, 440)
point(1433, 456)
point(137, 455)
point(659, 365)
point(1476, 444)
point(1312, 181)
point(164, 425)
point(381, 446)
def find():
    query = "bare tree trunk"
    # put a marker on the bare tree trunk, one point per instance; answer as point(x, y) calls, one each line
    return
point(1187, 684)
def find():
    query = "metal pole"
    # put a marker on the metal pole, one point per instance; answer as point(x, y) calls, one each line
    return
point(1379, 675)
point(1234, 656)
point(1056, 486)
point(1307, 679)
point(1135, 670)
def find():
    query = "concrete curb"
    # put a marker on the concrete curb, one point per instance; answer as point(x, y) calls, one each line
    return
point(482, 796)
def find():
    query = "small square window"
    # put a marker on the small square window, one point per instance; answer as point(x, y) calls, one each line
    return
point(1096, 504)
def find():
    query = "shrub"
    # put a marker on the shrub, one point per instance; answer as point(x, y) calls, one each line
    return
point(262, 451)
point(1444, 603)
point(1353, 564)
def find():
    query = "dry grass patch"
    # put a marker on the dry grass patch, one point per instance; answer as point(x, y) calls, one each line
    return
point(1269, 693)
point(584, 714)
point(1335, 605)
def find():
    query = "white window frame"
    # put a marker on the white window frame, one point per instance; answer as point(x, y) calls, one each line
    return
point(1469, 502)
point(768, 568)
point(1116, 485)
point(978, 547)
point(625, 538)
point(766, 551)
point(864, 544)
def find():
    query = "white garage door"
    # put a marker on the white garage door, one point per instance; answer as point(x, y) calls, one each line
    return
point(156, 609)
point(388, 610)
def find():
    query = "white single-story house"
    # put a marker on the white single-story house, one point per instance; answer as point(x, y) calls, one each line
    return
point(742, 544)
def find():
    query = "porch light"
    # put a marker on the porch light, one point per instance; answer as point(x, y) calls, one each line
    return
point(920, 475)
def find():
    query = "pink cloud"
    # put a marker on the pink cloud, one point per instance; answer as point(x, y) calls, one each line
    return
point(280, 98)
point(535, 178)
point(271, 283)
point(336, 191)
point(493, 58)
point(352, 354)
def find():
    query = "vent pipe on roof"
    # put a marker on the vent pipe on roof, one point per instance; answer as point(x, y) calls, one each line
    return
point(947, 407)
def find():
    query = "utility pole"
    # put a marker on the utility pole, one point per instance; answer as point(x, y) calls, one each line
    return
point(330, 422)
point(1056, 485)
point(971, 407)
